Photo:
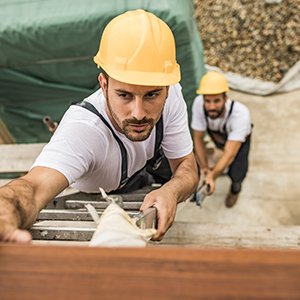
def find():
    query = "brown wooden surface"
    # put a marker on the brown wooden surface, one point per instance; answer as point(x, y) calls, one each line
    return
point(48, 272)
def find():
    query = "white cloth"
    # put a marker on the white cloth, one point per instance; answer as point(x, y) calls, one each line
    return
point(238, 125)
point(85, 152)
point(116, 229)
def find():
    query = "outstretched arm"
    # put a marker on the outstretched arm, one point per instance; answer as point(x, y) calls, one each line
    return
point(200, 149)
point(230, 151)
point(22, 199)
point(179, 188)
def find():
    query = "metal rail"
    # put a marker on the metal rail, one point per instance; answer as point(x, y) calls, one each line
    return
point(65, 218)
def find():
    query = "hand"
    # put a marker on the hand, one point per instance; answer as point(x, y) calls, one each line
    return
point(204, 172)
point(9, 233)
point(210, 181)
point(166, 204)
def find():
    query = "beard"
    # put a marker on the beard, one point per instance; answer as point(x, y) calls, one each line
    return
point(135, 130)
point(214, 113)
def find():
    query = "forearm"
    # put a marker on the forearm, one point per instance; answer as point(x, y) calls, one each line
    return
point(184, 180)
point(17, 206)
point(224, 162)
point(230, 151)
point(200, 150)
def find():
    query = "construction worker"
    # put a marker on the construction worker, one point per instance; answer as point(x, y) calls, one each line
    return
point(228, 124)
point(117, 134)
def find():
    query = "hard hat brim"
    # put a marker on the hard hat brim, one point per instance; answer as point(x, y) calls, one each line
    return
point(211, 92)
point(145, 78)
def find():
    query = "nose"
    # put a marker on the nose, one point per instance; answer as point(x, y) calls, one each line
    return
point(211, 106)
point(138, 109)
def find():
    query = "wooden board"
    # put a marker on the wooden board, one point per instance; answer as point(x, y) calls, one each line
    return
point(45, 272)
point(18, 157)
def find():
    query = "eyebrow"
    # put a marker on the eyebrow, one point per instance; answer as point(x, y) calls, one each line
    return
point(147, 92)
point(214, 99)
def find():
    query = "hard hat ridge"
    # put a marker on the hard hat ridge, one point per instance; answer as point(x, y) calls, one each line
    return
point(213, 83)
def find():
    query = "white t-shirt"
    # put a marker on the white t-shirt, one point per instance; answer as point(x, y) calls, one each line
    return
point(84, 150)
point(238, 125)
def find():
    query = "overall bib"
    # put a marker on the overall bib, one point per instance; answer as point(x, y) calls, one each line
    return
point(239, 167)
point(156, 169)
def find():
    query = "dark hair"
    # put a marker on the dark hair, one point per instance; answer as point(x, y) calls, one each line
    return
point(105, 75)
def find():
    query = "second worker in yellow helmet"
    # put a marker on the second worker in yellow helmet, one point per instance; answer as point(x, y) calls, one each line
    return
point(228, 124)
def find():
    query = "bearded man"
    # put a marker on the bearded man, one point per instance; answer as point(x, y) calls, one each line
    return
point(228, 124)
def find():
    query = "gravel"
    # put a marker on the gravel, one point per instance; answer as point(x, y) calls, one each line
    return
point(259, 39)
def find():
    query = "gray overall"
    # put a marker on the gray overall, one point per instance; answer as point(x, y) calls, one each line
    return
point(239, 167)
point(156, 169)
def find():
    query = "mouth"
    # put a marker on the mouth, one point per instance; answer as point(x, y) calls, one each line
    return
point(139, 127)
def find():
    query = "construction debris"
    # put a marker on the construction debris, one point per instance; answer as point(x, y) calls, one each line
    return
point(255, 39)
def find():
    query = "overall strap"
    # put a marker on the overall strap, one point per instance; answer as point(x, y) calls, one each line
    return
point(159, 134)
point(158, 139)
point(229, 113)
point(90, 107)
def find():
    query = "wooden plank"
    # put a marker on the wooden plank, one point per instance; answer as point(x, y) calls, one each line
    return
point(45, 272)
point(4, 181)
point(185, 234)
point(18, 157)
point(233, 236)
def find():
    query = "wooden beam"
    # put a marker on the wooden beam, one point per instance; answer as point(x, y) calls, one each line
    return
point(45, 272)
point(18, 157)
point(233, 236)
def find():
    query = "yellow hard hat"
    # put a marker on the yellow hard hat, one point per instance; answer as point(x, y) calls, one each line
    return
point(213, 83)
point(139, 48)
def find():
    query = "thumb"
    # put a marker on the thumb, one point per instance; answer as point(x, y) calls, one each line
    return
point(9, 233)
point(20, 236)
point(148, 202)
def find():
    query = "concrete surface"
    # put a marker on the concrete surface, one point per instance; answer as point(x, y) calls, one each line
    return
point(271, 190)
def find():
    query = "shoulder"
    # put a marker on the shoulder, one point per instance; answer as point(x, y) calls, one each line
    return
point(240, 114)
point(175, 101)
point(79, 114)
point(240, 109)
point(198, 101)
point(238, 106)
point(175, 94)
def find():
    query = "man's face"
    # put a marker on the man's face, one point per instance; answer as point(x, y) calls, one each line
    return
point(214, 105)
point(133, 109)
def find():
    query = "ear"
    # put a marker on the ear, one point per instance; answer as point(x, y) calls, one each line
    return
point(103, 83)
point(225, 97)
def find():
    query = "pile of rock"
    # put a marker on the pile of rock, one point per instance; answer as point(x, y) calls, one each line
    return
point(254, 38)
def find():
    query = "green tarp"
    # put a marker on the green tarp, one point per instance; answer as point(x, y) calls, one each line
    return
point(46, 51)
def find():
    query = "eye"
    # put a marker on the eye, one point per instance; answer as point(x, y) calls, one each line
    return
point(152, 95)
point(125, 96)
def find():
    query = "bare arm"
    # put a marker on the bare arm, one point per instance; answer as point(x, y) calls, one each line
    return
point(22, 199)
point(200, 150)
point(230, 151)
point(180, 187)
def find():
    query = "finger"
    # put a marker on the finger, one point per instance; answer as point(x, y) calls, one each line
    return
point(9, 233)
point(163, 224)
point(148, 202)
point(20, 236)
